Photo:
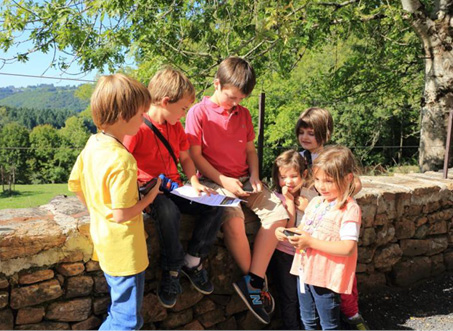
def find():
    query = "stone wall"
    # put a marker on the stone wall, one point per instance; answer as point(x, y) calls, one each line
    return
point(47, 280)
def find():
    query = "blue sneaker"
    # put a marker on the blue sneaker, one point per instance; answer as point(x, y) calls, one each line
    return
point(199, 279)
point(268, 300)
point(253, 298)
point(169, 288)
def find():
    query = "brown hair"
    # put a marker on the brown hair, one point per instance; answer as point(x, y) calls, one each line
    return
point(117, 96)
point(237, 72)
point(287, 159)
point(171, 83)
point(318, 119)
point(338, 162)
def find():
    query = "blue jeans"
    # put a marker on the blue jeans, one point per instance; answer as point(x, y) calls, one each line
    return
point(166, 212)
point(322, 302)
point(127, 297)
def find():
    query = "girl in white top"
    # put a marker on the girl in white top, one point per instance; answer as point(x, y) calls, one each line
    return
point(290, 179)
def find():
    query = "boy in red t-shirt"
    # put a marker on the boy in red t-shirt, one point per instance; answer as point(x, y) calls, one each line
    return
point(221, 135)
point(171, 96)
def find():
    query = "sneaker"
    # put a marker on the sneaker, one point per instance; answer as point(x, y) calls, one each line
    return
point(199, 278)
point(357, 323)
point(268, 300)
point(169, 289)
point(252, 298)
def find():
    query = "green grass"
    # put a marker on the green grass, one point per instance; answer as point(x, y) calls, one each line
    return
point(25, 196)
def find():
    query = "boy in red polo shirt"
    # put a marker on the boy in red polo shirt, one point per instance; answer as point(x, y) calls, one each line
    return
point(171, 95)
point(220, 132)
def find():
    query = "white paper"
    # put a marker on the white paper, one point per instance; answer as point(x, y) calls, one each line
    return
point(187, 192)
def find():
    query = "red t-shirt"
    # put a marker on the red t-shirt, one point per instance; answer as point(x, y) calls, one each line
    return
point(223, 136)
point(151, 154)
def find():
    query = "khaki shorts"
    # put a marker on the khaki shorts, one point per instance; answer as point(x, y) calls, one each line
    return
point(265, 204)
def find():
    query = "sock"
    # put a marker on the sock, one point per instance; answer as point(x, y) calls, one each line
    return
point(256, 281)
point(354, 316)
point(191, 261)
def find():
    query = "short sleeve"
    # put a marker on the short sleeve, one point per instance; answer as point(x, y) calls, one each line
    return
point(130, 142)
point(122, 184)
point(74, 183)
point(182, 138)
point(250, 130)
point(352, 213)
point(194, 125)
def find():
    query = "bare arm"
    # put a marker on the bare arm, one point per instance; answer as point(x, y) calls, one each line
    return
point(338, 248)
point(81, 197)
point(121, 215)
point(231, 184)
point(189, 169)
point(357, 185)
point(252, 161)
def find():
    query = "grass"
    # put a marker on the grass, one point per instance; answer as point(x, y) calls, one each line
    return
point(26, 196)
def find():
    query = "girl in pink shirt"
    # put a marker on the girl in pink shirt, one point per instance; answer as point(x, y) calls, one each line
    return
point(326, 240)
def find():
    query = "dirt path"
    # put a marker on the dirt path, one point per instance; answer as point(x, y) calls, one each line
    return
point(425, 306)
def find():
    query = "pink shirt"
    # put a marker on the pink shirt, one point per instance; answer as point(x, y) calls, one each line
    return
point(151, 154)
point(324, 270)
point(223, 136)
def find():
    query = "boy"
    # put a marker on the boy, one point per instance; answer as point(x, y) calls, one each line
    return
point(104, 178)
point(221, 135)
point(171, 96)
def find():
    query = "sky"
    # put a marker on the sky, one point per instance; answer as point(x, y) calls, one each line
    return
point(36, 66)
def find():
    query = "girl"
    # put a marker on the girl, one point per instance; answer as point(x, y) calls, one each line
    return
point(289, 174)
point(326, 242)
point(314, 128)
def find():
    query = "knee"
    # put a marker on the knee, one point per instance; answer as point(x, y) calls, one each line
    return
point(234, 228)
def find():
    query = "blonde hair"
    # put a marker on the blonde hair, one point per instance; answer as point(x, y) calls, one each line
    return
point(237, 72)
point(287, 159)
point(318, 119)
point(338, 163)
point(117, 97)
point(171, 83)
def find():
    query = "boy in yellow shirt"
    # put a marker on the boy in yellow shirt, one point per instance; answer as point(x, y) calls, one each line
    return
point(104, 178)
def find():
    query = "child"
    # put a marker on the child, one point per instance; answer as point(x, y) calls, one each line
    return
point(289, 174)
point(221, 135)
point(314, 128)
point(104, 178)
point(327, 242)
point(171, 96)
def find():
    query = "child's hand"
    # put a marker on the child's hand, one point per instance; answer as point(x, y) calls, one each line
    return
point(153, 192)
point(287, 193)
point(198, 187)
point(301, 241)
point(301, 203)
point(280, 235)
point(256, 184)
point(234, 186)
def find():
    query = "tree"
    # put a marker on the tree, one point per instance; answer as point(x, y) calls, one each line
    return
point(432, 21)
point(43, 164)
point(14, 139)
point(196, 36)
point(73, 137)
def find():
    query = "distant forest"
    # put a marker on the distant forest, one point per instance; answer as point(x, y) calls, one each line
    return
point(44, 96)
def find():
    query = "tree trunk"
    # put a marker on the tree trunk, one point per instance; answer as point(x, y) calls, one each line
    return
point(435, 32)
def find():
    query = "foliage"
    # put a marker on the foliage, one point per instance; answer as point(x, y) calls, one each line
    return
point(44, 166)
point(43, 96)
point(13, 165)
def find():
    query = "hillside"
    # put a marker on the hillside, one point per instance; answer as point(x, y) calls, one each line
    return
point(42, 96)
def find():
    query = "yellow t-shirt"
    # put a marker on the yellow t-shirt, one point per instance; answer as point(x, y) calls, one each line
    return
point(106, 173)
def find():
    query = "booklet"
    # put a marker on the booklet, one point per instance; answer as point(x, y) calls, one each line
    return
point(187, 192)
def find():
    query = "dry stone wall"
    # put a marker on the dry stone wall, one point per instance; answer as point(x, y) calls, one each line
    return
point(48, 280)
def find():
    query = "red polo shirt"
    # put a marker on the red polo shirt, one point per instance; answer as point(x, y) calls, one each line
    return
point(152, 156)
point(223, 136)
